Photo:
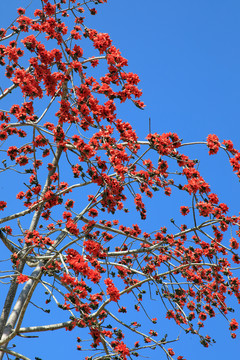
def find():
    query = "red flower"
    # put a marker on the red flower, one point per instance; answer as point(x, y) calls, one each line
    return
point(202, 316)
point(12, 152)
point(229, 146)
point(204, 208)
point(101, 41)
point(72, 227)
point(123, 350)
point(112, 291)
point(69, 204)
point(22, 279)
point(213, 144)
point(233, 325)
point(30, 42)
point(93, 213)
point(22, 160)
point(3, 204)
point(184, 210)
point(213, 198)
point(171, 352)
point(21, 11)
point(234, 244)
point(66, 215)
point(93, 11)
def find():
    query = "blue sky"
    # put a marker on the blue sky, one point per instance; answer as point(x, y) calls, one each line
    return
point(187, 56)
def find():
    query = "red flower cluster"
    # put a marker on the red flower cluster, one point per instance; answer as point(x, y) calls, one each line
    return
point(80, 265)
point(112, 291)
point(213, 144)
point(3, 205)
point(22, 279)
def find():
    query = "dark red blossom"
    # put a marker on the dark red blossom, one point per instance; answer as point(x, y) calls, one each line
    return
point(233, 325)
point(3, 205)
point(184, 210)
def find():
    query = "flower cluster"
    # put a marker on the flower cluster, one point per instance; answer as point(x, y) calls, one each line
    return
point(112, 291)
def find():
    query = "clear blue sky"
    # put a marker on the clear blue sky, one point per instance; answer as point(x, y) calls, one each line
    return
point(187, 56)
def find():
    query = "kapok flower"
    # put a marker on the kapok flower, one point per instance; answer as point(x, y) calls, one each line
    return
point(22, 279)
